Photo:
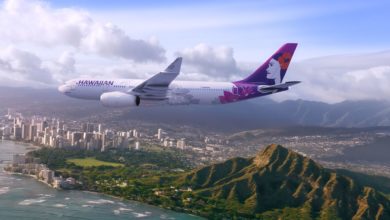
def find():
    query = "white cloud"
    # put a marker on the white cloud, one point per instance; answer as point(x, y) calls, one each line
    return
point(19, 65)
point(24, 68)
point(109, 40)
point(204, 61)
point(341, 77)
point(67, 62)
point(59, 36)
point(36, 22)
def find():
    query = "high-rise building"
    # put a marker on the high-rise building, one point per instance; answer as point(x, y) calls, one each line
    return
point(159, 133)
point(7, 131)
point(33, 131)
point(60, 125)
point(17, 121)
point(123, 134)
point(69, 135)
point(17, 132)
point(93, 144)
point(76, 137)
point(104, 142)
point(135, 133)
point(52, 131)
point(181, 144)
point(52, 141)
point(59, 142)
point(47, 131)
point(25, 131)
point(129, 134)
point(87, 136)
point(43, 125)
point(171, 142)
point(46, 139)
point(166, 142)
point(124, 143)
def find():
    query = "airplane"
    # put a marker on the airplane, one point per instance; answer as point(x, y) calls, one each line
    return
point(162, 89)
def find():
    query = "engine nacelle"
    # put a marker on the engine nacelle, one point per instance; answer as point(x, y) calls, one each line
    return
point(119, 99)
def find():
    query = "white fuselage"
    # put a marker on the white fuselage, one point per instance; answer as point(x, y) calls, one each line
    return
point(179, 92)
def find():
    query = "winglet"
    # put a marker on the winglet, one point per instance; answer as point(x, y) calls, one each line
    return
point(175, 66)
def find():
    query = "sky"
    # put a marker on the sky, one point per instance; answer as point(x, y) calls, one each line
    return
point(343, 46)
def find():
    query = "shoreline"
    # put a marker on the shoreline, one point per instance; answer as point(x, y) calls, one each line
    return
point(88, 191)
point(31, 176)
point(121, 199)
point(22, 142)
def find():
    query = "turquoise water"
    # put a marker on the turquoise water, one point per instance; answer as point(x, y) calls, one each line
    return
point(25, 198)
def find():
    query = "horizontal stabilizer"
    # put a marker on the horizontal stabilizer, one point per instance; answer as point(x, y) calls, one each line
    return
point(285, 85)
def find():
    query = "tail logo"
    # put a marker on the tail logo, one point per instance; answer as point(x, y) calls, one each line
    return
point(277, 66)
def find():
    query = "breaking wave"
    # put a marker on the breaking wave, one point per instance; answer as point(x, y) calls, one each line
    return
point(31, 201)
point(100, 201)
point(4, 190)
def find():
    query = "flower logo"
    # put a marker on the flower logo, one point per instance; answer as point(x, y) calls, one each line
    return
point(284, 60)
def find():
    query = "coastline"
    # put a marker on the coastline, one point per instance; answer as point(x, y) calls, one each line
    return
point(35, 147)
point(179, 210)
point(28, 175)
point(105, 194)
point(22, 142)
point(29, 146)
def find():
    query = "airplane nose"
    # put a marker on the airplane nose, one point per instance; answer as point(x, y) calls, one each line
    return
point(62, 88)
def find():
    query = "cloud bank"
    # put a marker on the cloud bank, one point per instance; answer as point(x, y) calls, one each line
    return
point(23, 66)
point(36, 22)
point(35, 25)
point(205, 61)
point(341, 77)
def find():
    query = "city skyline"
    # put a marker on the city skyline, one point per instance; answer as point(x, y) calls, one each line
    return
point(56, 133)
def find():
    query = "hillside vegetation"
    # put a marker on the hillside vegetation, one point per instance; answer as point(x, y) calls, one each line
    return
point(281, 184)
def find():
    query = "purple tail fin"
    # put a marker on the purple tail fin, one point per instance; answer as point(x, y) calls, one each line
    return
point(273, 70)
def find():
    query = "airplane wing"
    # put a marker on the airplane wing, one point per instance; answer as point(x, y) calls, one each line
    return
point(156, 87)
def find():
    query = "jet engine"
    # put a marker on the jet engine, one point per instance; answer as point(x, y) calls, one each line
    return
point(119, 99)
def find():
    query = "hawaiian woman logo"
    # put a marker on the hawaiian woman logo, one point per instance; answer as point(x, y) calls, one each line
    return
point(278, 65)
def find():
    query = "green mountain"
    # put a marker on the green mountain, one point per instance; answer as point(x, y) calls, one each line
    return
point(281, 184)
